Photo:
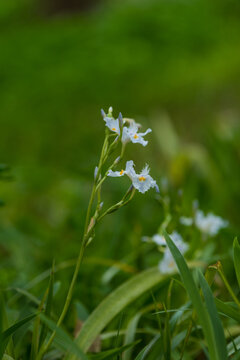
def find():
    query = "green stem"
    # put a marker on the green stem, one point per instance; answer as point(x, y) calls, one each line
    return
point(67, 302)
point(228, 287)
point(80, 255)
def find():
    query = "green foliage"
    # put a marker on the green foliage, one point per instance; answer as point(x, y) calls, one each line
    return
point(203, 316)
point(176, 64)
point(236, 258)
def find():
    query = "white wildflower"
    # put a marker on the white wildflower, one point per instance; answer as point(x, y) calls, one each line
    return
point(209, 224)
point(142, 182)
point(131, 134)
point(167, 264)
point(159, 240)
point(187, 221)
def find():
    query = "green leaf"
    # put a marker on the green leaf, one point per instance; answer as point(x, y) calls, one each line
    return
point(5, 336)
point(236, 258)
point(145, 351)
point(195, 297)
point(63, 340)
point(114, 303)
point(108, 355)
point(48, 306)
point(216, 322)
point(228, 310)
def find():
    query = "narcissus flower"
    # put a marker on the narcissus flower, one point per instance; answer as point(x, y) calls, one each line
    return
point(142, 182)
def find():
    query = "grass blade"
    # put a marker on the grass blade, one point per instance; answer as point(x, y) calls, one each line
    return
point(48, 307)
point(195, 297)
point(108, 355)
point(228, 310)
point(216, 322)
point(5, 335)
point(236, 258)
point(145, 351)
point(114, 303)
point(63, 340)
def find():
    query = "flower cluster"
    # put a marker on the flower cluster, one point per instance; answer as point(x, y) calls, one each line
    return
point(129, 133)
point(209, 224)
point(127, 130)
point(167, 264)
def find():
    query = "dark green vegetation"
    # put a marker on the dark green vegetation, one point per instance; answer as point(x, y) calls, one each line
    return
point(171, 65)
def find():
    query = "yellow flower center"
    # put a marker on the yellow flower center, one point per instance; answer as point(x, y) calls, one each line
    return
point(135, 136)
point(141, 178)
point(114, 129)
point(121, 172)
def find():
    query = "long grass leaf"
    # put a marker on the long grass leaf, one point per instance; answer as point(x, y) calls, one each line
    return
point(63, 340)
point(108, 355)
point(216, 322)
point(5, 336)
point(236, 258)
point(228, 310)
point(195, 297)
point(114, 303)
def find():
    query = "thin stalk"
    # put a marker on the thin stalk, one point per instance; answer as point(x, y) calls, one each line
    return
point(80, 255)
point(228, 286)
point(67, 302)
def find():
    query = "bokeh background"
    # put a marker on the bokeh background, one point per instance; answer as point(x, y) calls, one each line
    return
point(174, 66)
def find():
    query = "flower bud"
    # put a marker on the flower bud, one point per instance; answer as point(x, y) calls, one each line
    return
point(117, 160)
point(120, 119)
point(110, 110)
point(95, 172)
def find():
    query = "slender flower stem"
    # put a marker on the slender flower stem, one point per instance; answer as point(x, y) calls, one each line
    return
point(80, 255)
point(67, 302)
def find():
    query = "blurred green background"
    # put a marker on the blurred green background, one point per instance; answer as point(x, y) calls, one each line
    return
point(173, 65)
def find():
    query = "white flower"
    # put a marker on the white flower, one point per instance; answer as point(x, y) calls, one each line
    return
point(159, 240)
point(142, 182)
point(209, 224)
point(128, 133)
point(167, 264)
point(187, 221)
point(131, 134)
